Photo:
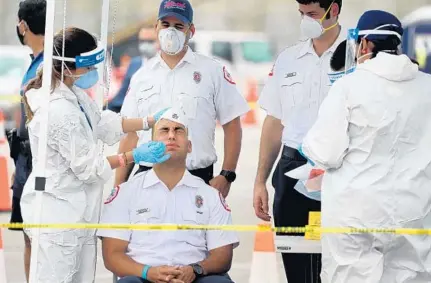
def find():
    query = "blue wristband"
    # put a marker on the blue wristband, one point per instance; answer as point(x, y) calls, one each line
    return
point(145, 271)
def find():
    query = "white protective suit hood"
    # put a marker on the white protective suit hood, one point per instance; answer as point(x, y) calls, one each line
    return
point(391, 67)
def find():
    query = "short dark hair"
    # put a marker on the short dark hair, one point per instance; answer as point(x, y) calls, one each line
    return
point(388, 45)
point(323, 4)
point(33, 12)
point(338, 59)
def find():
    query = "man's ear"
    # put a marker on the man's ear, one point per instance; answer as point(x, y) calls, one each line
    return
point(366, 46)
point(192, 31)
point(189, 147)
point(335, 10)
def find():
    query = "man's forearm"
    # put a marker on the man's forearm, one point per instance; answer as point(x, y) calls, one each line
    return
point(232, 144)
point(122, 265)
point(218, 261)
point(128, 143)
point(270, 144)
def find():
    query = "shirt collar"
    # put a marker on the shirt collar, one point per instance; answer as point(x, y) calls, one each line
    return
point(188, 180)
point(189, 57)
point(308, 48)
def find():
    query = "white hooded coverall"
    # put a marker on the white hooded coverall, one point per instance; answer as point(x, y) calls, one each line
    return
point(76, 170)
point(373, 137)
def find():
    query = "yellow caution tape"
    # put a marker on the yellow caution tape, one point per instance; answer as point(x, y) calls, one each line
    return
point(252, 105)
point(314, 218)
point(11, 98)
point(238, 228)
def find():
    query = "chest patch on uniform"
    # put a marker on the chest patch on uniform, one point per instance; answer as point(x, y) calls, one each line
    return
point(112, 195)
point(142, 210)
point(289, 75)
point(199, 201)
point(197, 77)
point(224, 203)
point(227, 76)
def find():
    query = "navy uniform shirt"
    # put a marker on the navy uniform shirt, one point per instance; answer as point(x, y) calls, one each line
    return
point(29, 75)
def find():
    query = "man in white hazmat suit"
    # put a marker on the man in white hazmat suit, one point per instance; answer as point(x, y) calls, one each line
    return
point(373, 137)
point(76, 167)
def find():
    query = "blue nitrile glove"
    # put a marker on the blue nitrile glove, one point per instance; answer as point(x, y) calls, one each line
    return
point(159, 114)
point(303, 155)
point(151, 152)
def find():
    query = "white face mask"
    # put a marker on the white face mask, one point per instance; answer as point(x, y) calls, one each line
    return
point(172, 40)
point(312, 28)
point(147, 49)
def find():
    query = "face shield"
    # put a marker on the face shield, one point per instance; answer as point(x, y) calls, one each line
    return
point(91, 60)
point(337, 63)
point(352, 51)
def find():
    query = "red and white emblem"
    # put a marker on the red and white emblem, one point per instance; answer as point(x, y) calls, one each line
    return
point(113, 195)
point(227, 76)
point(199, 201)
point(197, 77)
point(224, 203)
point(271, 73)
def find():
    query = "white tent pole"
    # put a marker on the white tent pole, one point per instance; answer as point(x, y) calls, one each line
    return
point(101, 88)
point(40, 170)
point(104, 43)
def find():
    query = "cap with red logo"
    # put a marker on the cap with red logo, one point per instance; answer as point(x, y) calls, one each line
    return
point(180, 9)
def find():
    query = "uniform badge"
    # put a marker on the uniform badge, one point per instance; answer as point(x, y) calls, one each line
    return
point(199, 201)
point(227, 76)
point(289, 75)
point(197, 77)
point(142, 210)
point(113, 195)
point(224, 203)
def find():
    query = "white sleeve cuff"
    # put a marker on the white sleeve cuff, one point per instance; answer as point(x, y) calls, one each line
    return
point(105, 172)
point(234, 242)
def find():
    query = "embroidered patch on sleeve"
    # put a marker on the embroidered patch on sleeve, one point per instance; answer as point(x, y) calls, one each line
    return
point(224, 203)
point(227, 76)
point(112, 195)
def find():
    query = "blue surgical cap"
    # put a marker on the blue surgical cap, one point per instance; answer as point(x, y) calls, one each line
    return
point(381, 20)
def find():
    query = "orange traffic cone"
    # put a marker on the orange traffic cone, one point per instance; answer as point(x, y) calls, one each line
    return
point(5, 200)
point(264, 266)
point(2, 261)
point(250, 116)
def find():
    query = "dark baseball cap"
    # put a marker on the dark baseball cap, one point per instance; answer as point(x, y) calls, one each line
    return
point(180, 9)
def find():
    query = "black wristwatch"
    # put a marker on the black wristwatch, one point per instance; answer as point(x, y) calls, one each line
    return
point(229, 175)
point(197, 269)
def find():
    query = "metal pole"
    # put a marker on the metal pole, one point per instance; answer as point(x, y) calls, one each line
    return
point(100, 95)
point(103, 43)
point(40, 170)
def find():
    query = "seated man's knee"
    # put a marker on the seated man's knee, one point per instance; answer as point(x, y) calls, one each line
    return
point(132, 279)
